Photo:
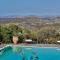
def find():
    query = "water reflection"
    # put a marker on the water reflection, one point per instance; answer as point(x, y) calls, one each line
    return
point(34, 56)
point(22, 52)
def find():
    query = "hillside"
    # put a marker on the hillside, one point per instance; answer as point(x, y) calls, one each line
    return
point(41, 29)
point(32, 22)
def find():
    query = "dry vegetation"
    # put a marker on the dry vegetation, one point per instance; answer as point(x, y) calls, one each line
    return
point(41, 29)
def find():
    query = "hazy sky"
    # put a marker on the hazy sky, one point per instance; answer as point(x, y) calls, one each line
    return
point(29, 7)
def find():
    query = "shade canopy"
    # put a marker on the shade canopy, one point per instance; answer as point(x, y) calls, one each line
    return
point(58, 41)
point(28, 40)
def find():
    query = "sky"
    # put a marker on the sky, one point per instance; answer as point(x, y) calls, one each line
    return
point(29, 7)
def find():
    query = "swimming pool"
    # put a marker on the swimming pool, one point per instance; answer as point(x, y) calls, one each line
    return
point(29, 53)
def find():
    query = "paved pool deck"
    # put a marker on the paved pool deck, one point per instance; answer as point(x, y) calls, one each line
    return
point(40, 45)
point(32, 45)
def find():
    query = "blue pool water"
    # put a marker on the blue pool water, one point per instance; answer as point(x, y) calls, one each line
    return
point(23, 53)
